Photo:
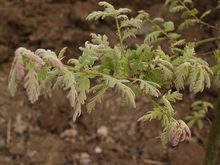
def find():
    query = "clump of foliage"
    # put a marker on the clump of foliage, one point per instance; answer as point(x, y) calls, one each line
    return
point(200, 109)
point(158, 74)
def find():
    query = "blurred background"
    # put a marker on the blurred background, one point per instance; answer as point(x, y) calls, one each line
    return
point(43, 133)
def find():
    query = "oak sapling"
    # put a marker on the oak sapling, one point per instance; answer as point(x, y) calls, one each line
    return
point(147, 67)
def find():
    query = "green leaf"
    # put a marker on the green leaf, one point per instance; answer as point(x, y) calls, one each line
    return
point(187, 23)
point(205, 14)
point(88, 58)
point(149, 87)
point(200, 109)
point(201, 106)
point(173, 96)
point(42, 74)
point(186, 15)
point(126, 91)
point(106, 5)
point(156, 113)
point(31, 83)
point(97, 98)
point(179, 42)
point(98, 39)
point(167, 105)
point(198, 85)
point(177, 9)
point(83, 85)
point(68, 82)
point(165, 67)
point(158, 19)
point(128, 33)
point(62, 52)
point(123, 11)
point(200, 124)
point(194, 11)
point(145, 117)
point(173, 36)
point(98, 14)
point(152, 37)
point(169, 26)
point(12, 82)
point(133, 22)
point(181, 74)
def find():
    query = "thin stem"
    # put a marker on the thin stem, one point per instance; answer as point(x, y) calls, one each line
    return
point(207, 40)
point(89, 71)
point(162, 31)
point(153, 102)
point(119, 34)
point(205, 53)
point(159, 106)
point(194, 16)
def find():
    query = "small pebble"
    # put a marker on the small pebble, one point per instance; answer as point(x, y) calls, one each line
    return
point(69, 133)
point(31, 153)
point(102, 131)
point(98, 150)
point(85, 159)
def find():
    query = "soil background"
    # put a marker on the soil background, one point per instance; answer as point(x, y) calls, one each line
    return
point(44, 134)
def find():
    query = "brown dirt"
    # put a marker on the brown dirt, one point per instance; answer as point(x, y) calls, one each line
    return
point(43, 133)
